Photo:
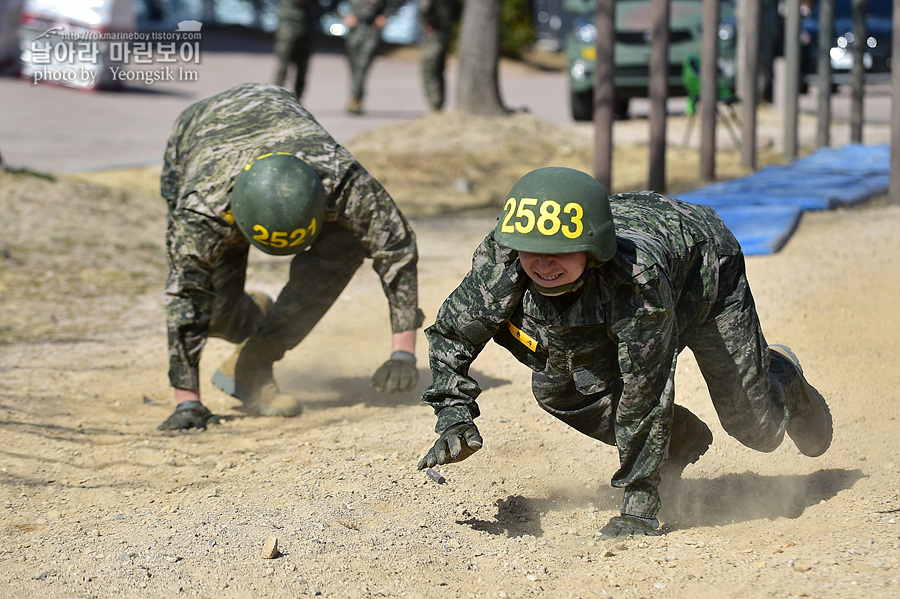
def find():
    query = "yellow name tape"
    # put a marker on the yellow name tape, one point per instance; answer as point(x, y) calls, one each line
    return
point(523, 337)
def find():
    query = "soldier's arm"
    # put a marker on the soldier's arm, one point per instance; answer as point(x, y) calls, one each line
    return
point(648, 347)
point(193, 243)
point(466, 321)
point(370, 213)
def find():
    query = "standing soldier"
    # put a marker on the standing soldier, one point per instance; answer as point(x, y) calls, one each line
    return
point(292, 43)
point(365, 21)
point(249, 166)
point(598, 297)
point(438, 19)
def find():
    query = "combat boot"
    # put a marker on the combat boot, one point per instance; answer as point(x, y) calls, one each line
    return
point(809, 425)
point(247, 375)
point(690, 439)
point(263, 301)
point(354, 106)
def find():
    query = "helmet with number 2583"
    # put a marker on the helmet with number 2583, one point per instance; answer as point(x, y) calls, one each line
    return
point(558, 210)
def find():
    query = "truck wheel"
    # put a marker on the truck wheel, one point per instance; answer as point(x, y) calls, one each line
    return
point(583, 105)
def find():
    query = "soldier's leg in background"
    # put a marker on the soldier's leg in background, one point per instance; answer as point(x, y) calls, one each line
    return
point(317, 278)
point(433, 55)
point(733, 357)
point(284, 41)
point(235, 314)
point(362, 45)
point(301, 50)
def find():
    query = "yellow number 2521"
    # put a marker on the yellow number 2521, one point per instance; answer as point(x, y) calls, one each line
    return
point(283, 239)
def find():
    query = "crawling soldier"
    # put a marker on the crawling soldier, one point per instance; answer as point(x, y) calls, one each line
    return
point(598, 296)
point(250, 167)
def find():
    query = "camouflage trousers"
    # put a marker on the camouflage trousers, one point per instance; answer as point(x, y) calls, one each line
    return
point(746, 388)
point(363, 42)
point(293, 48)
point(317, 277)
point(733, 357)
point(433, 54)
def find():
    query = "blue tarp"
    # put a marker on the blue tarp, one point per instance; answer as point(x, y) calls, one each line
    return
point(763, 209)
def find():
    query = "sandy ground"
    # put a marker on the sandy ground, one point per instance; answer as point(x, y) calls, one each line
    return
point(96, 503)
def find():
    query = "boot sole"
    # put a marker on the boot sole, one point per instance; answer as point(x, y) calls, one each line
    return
point(230, 386)
point(811, 433)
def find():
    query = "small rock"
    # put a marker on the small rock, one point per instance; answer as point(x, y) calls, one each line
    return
point(270, 549)
point(802, 566)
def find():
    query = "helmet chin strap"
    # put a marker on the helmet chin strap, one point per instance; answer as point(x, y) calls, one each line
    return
point(564, 288)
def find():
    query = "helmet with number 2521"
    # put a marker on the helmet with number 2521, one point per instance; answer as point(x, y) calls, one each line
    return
point(558, 210)
point(278, 203)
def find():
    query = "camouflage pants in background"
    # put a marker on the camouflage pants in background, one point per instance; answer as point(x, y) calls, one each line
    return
point(293, 48)
point(363, 42)
point(433, 51)
point(317, 278)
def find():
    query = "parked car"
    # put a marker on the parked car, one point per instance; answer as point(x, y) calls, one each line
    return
point(49, 54)
point(877, 51)
point(632, 50)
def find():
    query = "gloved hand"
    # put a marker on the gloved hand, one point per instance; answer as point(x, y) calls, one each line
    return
point(397, 374)
point(623, 526)
point(188, 414)
point(455, 444)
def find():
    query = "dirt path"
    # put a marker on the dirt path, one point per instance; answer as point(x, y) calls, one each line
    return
point(97, 503)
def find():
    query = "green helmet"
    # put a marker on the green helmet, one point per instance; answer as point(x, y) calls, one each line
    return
point(557, 210)
point(278, 203)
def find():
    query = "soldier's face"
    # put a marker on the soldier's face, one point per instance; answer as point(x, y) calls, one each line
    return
point(553, 270)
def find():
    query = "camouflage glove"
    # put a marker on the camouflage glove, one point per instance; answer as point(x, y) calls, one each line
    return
point(455, 444)
point(188, 414)
point(397, 374)
point(623, 526)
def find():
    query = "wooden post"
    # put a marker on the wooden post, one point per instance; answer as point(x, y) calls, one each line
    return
point(791, 77)
point(895, 110)
point(659, 92)
point(709, 89)
point(823, 68)
point(857, 72)
point(604, 92)
point(748, 37)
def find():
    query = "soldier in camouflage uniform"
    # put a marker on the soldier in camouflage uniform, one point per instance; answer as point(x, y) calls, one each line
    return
point(252, 152)
point(292, 43)
point(366, 20)
point(438, 19)
point(598, 296)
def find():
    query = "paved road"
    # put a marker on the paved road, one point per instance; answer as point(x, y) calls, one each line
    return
point(57, 129)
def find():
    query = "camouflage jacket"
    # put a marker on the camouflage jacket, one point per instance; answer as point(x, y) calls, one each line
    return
point(293, 10)
point(368, 10)
point(211, 142)
point(622, 334)
point(440, 14)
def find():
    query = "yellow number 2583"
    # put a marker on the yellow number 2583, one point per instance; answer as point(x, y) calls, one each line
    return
point(549, 218)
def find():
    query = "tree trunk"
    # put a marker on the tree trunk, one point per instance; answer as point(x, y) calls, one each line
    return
point(478, 88)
